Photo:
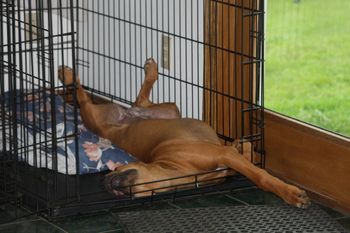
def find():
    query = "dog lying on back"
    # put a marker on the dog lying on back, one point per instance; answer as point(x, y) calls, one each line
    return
point(166, 145)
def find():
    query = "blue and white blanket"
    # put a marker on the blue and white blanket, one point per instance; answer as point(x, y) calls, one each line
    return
point(35, 140)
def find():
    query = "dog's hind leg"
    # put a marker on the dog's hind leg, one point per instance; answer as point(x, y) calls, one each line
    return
point(151, 76)
point(155, 111)
point(289, 193)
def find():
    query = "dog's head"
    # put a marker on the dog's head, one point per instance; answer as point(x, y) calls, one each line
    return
point(129, 180)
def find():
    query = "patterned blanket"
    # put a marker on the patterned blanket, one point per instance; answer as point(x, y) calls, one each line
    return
point(36, 142)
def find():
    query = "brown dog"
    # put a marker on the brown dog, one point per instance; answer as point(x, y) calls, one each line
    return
point(166, 145)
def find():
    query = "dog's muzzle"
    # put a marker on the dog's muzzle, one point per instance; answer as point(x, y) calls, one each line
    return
point(120, 182)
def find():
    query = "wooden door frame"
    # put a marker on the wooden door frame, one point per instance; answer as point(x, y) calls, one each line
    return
point(230, 65)
point(309, 157)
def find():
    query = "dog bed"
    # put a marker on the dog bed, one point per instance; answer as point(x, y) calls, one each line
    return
point(34, 133)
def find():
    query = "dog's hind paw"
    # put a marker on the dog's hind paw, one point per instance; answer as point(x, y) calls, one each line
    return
point(150, 61)
point(151, 70)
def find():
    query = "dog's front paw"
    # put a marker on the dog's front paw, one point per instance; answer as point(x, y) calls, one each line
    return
point(296, 197)
point(151, 70)
point(65, 75)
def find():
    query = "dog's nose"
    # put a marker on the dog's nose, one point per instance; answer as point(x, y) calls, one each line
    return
point(120, 182)
point(115, 183)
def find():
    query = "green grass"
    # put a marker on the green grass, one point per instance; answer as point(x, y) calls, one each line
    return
point(308, 61)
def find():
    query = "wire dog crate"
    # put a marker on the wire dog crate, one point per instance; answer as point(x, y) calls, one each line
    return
point(210, 56)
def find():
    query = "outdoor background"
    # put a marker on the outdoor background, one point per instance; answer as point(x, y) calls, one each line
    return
point(308, 61)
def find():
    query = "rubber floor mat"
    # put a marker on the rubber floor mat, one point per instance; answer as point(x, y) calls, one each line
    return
point(231, 219)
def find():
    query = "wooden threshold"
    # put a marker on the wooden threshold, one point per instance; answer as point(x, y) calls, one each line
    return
point(311, 158)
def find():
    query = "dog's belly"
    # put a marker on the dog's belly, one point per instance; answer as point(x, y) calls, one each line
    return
point(140, 113)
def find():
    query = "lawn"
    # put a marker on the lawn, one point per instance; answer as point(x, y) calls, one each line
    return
point(308, 61)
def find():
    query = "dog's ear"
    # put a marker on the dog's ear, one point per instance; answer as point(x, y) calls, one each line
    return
point(121, 181)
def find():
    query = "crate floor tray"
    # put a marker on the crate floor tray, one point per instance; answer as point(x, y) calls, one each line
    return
point(231, 219)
